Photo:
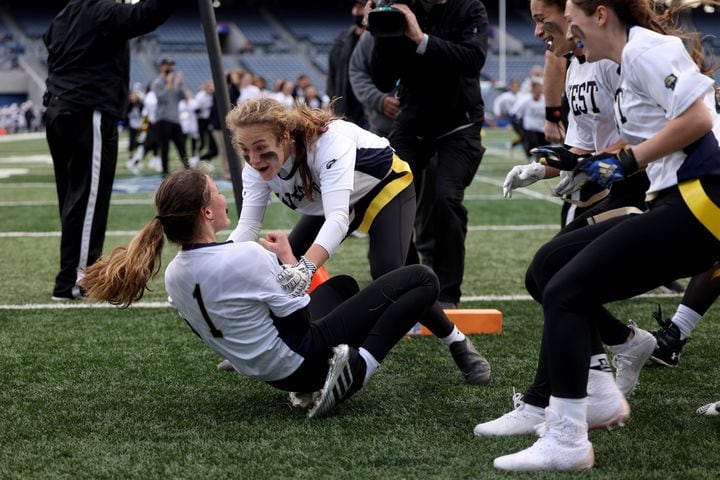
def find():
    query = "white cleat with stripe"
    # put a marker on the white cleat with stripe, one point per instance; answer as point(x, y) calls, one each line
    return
point(340, 382)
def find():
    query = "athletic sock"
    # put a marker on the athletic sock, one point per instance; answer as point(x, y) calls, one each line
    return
point(455, 336)
point(686, 320)
point(574, 408)
point(371, 364)
point(599, 361)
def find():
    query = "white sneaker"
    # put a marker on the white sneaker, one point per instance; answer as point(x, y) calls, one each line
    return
point(710, 410)
point(155, 164)
point(563, 447)
point(194, 161)
point(520, 421)
point(133, 166)
point(606, 404)
point(341, 383)
point(630, 357)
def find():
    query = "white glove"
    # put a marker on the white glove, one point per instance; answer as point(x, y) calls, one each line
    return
point(295, 279)
point(522, 176)
point(570, 183)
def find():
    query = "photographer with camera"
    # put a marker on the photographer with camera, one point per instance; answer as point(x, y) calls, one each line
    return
point(436, 49)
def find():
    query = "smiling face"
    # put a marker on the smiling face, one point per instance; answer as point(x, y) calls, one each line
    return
point(218, 207)
point(551, 27)
point(585, 31)
point(262, 149)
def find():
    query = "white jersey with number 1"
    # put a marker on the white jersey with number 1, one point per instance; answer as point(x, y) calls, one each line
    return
point(227, 293)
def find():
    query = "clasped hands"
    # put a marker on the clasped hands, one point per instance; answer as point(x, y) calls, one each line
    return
point(295, 276)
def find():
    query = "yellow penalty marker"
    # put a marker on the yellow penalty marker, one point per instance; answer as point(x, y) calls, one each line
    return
point(469, 321)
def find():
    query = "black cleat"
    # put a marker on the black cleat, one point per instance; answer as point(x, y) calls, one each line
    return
point(669, 346)
point(473, 366)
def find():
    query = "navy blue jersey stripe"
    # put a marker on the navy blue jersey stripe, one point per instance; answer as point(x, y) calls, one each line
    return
point(374, 161)
point(294, 330)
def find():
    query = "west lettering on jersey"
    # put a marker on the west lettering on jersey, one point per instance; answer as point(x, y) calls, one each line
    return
point(291, 199)
point(582, 98)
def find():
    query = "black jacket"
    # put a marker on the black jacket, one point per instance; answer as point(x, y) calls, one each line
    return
point(439, 90)
point(338, 81)
point(88, 51)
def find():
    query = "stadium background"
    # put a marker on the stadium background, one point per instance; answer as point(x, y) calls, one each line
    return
point(275, 39)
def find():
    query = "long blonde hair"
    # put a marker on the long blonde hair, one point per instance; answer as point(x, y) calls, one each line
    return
point(302, 123)
point(122, 277)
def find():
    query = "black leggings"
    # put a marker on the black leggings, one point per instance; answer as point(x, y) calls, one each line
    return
point(389, 237)
point(606, 329)
point(580, 271)
point(375, 318)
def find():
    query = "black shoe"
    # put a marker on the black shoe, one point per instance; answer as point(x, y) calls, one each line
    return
point(669, 345)
point(673, 287)
point(448, 305)
point(345, 377)
point(473, 366)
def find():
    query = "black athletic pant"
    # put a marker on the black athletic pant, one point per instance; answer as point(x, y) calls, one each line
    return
point(458, 157)
point(376, 318)
point(389, 237)
point(84, 148)
point(607, 329)
point(168, 131)
point(614, 260)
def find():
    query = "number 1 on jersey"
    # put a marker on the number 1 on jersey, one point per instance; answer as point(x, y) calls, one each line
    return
point(198, 296)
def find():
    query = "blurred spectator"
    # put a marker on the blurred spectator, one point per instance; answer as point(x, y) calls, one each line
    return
point(313, 99)
point(531, 110)
point(302, 81)
point(133, 120)
point(284, 93)
point(204, 102)
point(338, 88)
point(187, 108)
point(169, 90)
point(502, 108)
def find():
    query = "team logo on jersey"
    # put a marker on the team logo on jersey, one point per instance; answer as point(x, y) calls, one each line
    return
point(670, 81)
point(329, 164)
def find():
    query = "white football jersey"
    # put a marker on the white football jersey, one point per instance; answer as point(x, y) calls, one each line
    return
point(590, 90)
point(227, 292)
point(658, 82)
point(346, 157)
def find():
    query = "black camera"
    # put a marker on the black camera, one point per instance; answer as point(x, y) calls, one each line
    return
point(386, 21)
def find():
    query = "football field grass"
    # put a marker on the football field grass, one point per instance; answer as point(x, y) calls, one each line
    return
point(106, 393)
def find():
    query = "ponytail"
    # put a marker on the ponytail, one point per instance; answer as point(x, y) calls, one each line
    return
point(122, 278)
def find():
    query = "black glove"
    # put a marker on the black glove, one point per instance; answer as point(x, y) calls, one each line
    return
point(556, 157)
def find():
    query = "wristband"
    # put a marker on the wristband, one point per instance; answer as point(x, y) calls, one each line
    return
point(627, 161)
point(553, 114)
point(312, 268)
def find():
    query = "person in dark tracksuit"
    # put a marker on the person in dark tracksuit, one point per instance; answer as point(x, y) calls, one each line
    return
point(87, 93)
point(437, 61)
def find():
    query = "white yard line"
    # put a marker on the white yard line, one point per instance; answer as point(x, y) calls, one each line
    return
point(130, 233)
point(156, 305)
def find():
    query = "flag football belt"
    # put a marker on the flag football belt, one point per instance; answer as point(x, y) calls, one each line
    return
point(397, 180)
point(590, 201)
point(701, 205)
point(615, 212)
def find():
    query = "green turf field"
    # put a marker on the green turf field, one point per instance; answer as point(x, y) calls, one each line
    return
point(107, 393)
